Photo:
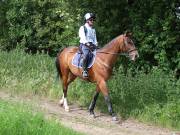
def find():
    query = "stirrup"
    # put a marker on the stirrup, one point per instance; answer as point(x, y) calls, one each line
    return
point(85, 74)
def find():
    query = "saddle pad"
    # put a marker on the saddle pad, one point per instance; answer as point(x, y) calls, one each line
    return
point(77, 59)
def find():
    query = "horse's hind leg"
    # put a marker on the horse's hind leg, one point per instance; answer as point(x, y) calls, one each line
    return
point(93, 102)
point(63, 101)
point(66, 81)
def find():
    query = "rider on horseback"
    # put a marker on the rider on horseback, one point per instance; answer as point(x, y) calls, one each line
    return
point(88, 40)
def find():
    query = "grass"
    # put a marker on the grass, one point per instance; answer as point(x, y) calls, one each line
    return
point(152, 97)
point(30, 74)
point(18, 119)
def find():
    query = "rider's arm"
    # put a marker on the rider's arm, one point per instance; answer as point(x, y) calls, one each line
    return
point(82, 35)
point(95, 38)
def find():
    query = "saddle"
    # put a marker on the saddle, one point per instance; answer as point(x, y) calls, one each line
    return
point(78, 57)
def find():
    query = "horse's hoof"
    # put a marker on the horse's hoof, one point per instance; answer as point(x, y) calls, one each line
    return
point(61, 102)
point(67, 109)
point(92, 115)
point(114, 118)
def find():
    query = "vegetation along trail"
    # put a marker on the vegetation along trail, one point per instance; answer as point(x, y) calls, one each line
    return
point(79, 120)
point(33, 32)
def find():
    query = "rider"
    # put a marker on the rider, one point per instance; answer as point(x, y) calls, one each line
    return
point(88, 40)
point(177, 11)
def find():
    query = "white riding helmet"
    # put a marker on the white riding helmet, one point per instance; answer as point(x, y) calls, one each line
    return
point(88, 16)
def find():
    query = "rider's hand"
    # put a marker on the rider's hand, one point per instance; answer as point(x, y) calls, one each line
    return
point(88, 44)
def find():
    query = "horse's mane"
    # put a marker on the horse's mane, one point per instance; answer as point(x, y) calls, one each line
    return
point(111, 43)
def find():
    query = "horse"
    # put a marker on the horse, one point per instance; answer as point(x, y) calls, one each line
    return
point(99, 73)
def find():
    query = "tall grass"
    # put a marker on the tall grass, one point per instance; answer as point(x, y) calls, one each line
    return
point(31, 74)
point(18, 119)
point(153, 97)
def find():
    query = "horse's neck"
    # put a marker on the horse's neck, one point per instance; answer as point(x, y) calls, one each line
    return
point(111, 50)
point(111, 47)
point(114, 45)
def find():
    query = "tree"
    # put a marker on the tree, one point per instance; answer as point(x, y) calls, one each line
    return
point(38, 25)
point(157, 33)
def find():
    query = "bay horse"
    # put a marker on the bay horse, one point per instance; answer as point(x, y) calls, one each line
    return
point(99, 73)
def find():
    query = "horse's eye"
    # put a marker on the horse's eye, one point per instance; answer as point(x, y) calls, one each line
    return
point(129, 42)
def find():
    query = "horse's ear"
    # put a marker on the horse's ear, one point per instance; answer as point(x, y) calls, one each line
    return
point(128, 34)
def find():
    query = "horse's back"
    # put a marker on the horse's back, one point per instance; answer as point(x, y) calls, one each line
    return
point(66, 55)
point(70, 49)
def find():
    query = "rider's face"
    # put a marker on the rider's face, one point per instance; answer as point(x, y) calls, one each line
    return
point(91, 21)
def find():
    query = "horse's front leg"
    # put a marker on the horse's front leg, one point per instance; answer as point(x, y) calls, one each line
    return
point(110, 109)
point(93, 103)
point(104, 90)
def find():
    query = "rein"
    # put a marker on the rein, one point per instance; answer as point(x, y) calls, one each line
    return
point(112, 53)
point(121, 54)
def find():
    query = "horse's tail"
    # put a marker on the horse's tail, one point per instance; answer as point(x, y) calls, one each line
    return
point(57, 62)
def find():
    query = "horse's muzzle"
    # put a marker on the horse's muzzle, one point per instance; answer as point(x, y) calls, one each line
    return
point(133, 55)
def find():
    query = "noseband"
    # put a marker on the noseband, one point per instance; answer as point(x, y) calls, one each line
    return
point(128, 52)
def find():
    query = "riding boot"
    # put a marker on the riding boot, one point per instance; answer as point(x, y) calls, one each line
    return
point(84, 66)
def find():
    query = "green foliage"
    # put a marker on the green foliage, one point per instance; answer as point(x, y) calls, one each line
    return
point(154, 24)
point(38, 25)
point(142, 90)
point(152, 97)
point(111, 17)
point(18, 119)
point(79, 88)
point(157, 31)
point(50, 25)
point(31, 74)
point(167, 116)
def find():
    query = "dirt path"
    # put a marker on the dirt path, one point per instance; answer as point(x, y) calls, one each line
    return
point(79, 120)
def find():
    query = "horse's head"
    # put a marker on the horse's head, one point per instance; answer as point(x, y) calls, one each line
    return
point(129, 47)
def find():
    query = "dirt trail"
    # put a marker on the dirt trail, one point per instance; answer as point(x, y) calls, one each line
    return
point(78, 118)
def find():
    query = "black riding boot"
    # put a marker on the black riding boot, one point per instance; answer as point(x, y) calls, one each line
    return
point(84, 66)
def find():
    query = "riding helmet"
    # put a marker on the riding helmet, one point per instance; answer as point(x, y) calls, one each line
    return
point(89, 15)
